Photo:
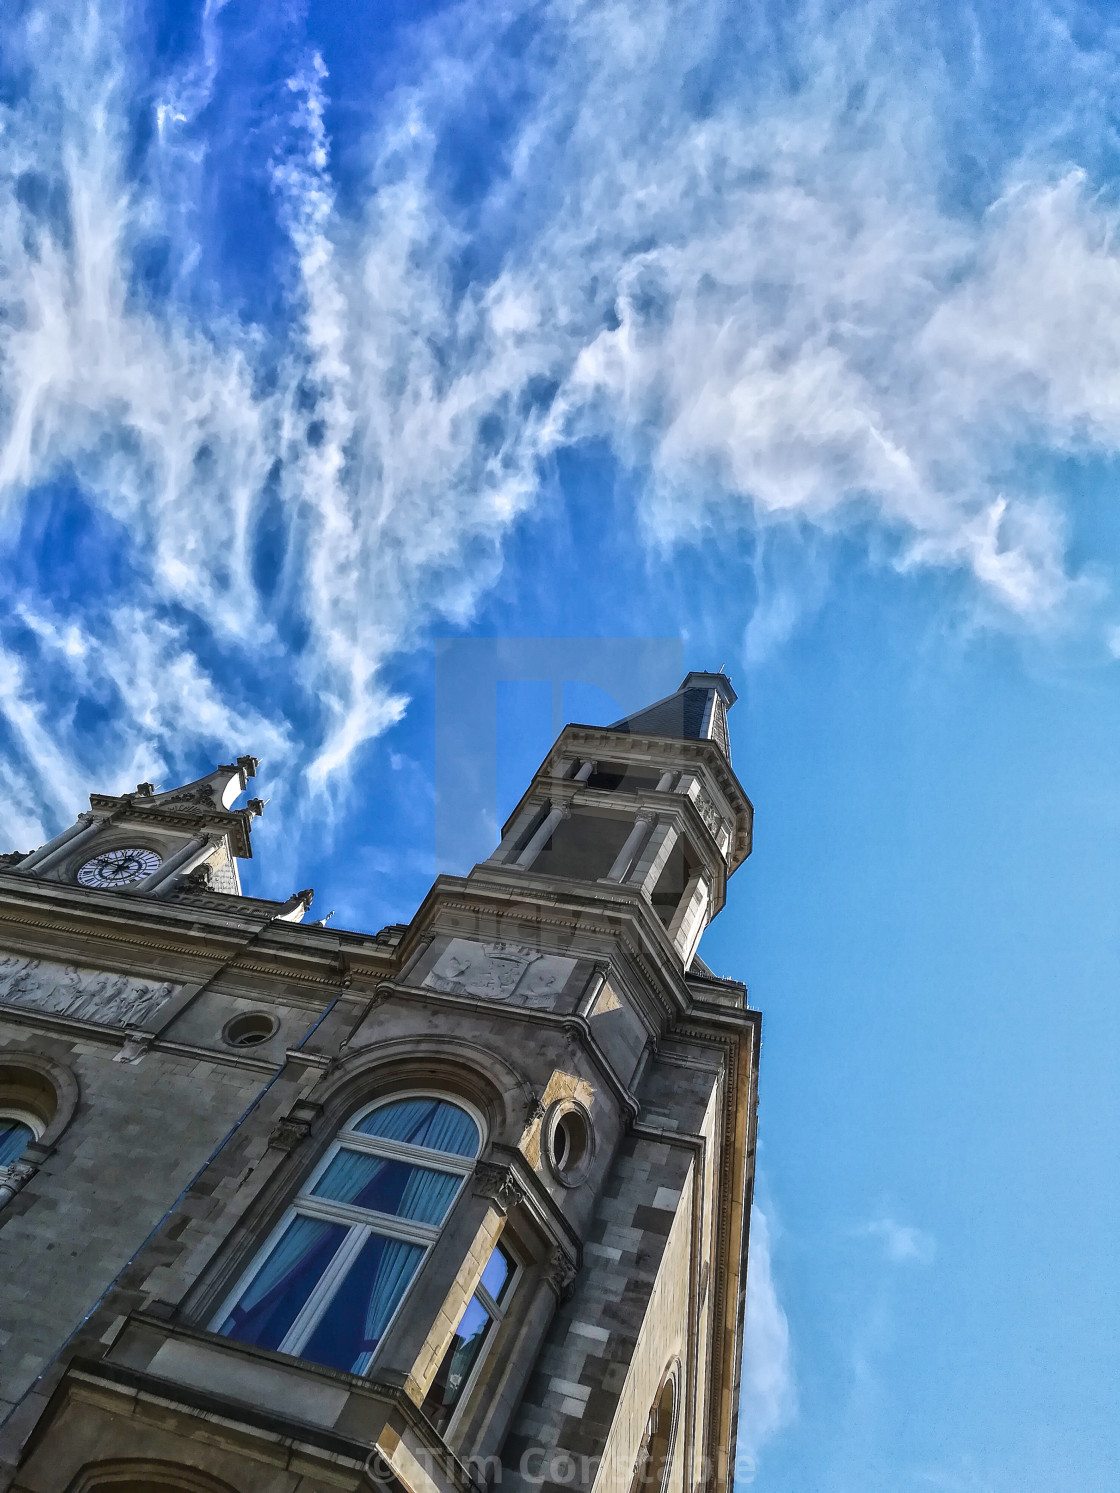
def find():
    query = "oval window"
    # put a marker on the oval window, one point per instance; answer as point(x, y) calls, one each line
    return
point(568, 1142)
point(250, 1029)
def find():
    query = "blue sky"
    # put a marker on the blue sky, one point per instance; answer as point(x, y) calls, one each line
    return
point(787, 332)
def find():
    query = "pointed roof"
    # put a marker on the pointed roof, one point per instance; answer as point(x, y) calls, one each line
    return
point(697, 712)
point(207, 801)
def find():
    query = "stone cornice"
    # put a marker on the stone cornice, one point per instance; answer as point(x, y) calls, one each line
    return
point(184, 814)
point(142, 935)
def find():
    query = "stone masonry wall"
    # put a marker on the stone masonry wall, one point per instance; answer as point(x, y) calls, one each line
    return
point(571, 1399)
point(140, 1133)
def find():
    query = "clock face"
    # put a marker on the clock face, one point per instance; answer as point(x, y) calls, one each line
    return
point(122, 867)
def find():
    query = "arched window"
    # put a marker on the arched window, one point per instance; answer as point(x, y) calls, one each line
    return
point(655, 1458)
point(332, 1275)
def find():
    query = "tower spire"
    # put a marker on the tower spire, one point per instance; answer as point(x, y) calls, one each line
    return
point(697, 712)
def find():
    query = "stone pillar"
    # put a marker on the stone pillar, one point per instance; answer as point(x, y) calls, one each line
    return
point(184, 860)
point(664, 783)
point(517, 829)
point(688, 920)
point(651, 862)
point(543, 835)
point(585, 771)
point(70, 839)
point(522, 1355)
point(634, 842)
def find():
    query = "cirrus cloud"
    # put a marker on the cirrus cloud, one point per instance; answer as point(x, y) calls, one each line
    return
point(734, 248)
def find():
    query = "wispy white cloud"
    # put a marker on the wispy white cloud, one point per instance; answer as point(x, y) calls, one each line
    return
point(768, 1399)
point(902, 1243)
point(763, 294)
point(155, 695)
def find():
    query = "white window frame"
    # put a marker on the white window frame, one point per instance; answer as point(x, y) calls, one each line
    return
point(497, 1314)
point(361, 1222)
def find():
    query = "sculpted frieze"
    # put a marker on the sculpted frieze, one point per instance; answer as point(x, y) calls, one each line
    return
point(500, 971)
point(85, 994)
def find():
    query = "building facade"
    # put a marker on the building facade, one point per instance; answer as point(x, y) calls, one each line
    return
point(460, 1204)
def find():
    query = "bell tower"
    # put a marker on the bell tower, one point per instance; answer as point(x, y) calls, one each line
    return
point(456, 1205)
point(632, 806)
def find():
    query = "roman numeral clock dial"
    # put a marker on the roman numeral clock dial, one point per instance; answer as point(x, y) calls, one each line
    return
point(116, 868)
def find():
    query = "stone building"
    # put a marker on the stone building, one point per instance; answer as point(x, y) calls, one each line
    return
point(461, 1203)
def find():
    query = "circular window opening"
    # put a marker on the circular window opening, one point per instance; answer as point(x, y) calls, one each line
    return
point(568, 1143)
point(250, 1029)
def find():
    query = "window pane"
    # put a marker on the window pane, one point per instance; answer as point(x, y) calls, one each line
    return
point(414, 1192)
point(496, 1276)
point(359, 1312)
point(14, 1136)
point(280, 1287)
point(424, 1122)
point(453, 1373)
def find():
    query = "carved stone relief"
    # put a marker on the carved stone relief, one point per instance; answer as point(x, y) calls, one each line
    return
point(85, 994)
point(500, 972)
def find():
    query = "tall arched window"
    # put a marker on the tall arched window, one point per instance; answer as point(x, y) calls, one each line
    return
point(333, 1273)
point(655, 1457)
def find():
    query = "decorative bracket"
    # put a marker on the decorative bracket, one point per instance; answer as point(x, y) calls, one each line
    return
point(292, 1129)
point(136, 1045)
point(560, 1273)
point(288, 1133)
point(499, 1185)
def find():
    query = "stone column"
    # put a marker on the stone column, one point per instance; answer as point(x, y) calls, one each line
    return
point(519, 827)
point(585, 771)
point(70, 839)
point(522, 1355)
point(543, 835)
point(652, 860)
point(184, 860)
point(687, 922)
point(634, 842)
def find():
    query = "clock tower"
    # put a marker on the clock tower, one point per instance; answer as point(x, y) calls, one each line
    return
point(146, 842)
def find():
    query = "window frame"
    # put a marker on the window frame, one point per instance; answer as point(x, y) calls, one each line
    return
point(497, 1312)
point(360, 1223)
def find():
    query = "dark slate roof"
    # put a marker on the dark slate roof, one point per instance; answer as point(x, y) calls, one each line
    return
point(697, 712)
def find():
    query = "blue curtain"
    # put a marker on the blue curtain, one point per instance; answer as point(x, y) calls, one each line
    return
point(14, 1137)
point(276, 1294)
point(395, 1269)
point(415, 1192)
point(424, 1122)
point(354, 1322)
